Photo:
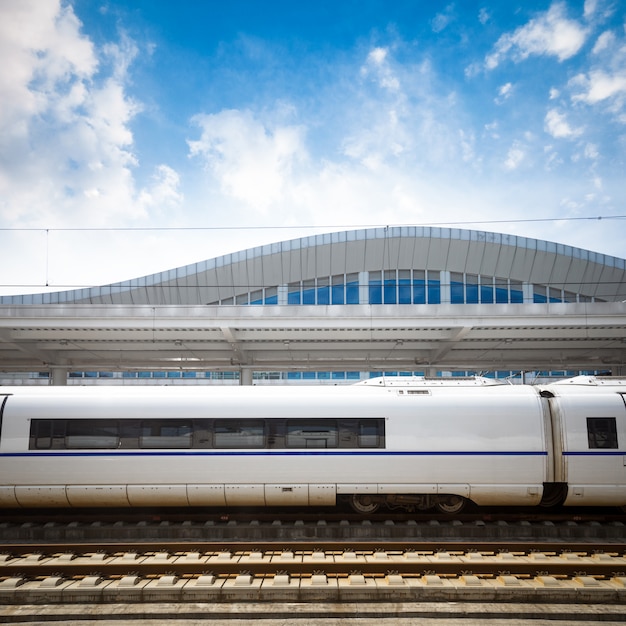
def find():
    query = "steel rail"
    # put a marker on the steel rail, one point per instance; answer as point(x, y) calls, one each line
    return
point(430, 545)
point(297, 562)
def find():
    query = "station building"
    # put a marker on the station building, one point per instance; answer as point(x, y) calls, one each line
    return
point(397, 300)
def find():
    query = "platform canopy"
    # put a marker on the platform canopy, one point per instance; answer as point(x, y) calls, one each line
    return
point(428, 338)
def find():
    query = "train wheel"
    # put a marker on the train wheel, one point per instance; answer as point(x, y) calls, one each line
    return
point(450, 505)
point(364, 504)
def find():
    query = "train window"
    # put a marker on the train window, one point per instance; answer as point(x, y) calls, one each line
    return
point(42, 434)
point(369, 434)
point(602, 432)
point(165, 434)
point(239, 434)
point(92, 434)
point(312, 434)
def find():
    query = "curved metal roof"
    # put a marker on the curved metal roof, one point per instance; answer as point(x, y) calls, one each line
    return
point(449, 249)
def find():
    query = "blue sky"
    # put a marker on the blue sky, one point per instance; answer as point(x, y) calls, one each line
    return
point(141, 135)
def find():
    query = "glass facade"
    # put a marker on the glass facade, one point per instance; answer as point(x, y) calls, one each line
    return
point(405, 286)
point(323, 377)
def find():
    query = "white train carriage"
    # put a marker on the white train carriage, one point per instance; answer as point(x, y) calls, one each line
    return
point(589, 426)
point(400, 442)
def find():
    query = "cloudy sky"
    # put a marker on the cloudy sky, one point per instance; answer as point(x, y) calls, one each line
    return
point(141, 135)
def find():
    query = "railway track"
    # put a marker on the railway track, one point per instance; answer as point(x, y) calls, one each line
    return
point(302, 559)
point(304, 571)
point(250, 566)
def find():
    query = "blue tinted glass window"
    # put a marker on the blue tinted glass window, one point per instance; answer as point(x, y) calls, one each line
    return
point(338, 294)
point(390, 291)
point(338, 375)
point(323, 375)
point(539, 298)
point(308, 375)
point(308, 296)
point(189, 374)
point(375, 288)
point(353, 375)
point(323, 295)
point(457, 295)
point(486, 294)
point(502, 291)
point(271, 300)
point(338, 289)
point(471, 294)
point(293, 297)
point(294, 375)
point(173, 374)
point(434, 292)
point(404, 291)
point(352, 292)
point(517, 296)
point(471, 289)
point(419, 291)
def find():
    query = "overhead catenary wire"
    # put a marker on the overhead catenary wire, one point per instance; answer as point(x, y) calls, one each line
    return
point(304, 226)
point(139, 229)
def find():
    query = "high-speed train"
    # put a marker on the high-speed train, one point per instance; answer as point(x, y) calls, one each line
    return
point(400, 442)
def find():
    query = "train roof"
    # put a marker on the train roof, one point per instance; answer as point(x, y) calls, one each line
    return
point(593, 381)
point(429, 381)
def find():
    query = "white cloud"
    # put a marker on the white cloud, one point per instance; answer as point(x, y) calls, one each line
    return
point(164, 192)
point(493, 130)
point(504, 93)
point(468, 141)
point(443, 19)
point(483, 16)
point(551, 33)
point(598, 10)
point(515, 156)
point(473, 69)
point(604, 41)
point(44, 57)
point(67, 152)
point(556, 125)
point(591, 7)
point(252, 161)
point(377, 56)
point(598, 85)
point(377, 64)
